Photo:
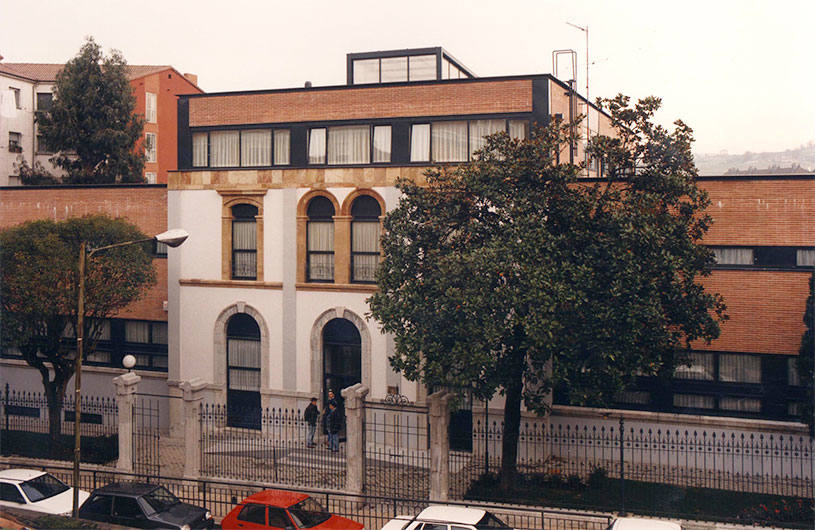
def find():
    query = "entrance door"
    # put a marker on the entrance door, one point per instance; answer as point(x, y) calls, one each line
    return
point(243, 372)
point(342, 357)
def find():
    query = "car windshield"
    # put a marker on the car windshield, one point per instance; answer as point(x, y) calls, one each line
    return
point(43, 487)
point(160, 499)
point(308, 513)
point(490, 522)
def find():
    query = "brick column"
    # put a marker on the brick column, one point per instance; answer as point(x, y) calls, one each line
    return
point(126, 386)
point(193, 395)
point(354, 447)
point(439, 445)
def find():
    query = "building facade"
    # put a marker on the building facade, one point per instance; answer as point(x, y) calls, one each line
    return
point(26, 88)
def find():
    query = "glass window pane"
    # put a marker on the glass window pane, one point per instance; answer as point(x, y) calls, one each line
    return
point(480, 129)
point(366, 71)
point(793, 379)
point(349, 144)
point(449, 141)
point(282, 141)
point(382, 143)
point(733, 256)
point(805, 258)
point(692, 401)
point(739, 368)
point(420, 142)
point(137, 331)
point(701, 367)
point(394, 70)
point(256, 148)
point(244, 235)
point(365, 236)
point(224, 148)
point(519, 129)
point(321, 236)
point(199, 149)
point(422, 67)
point(321, 267)
point(316, 146)
point(159, 333)
point(740, 404)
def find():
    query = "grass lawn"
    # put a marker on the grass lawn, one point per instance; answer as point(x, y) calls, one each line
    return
point(645, 498)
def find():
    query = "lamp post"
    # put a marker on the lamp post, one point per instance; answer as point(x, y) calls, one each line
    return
point(171, 238)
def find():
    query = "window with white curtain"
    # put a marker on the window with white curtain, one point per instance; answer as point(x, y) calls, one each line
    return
point(256, 147)
point(421, 68)
point(150, 147)
point(366, 71)
point(243, 353)
point(150, 107)
point(159, 332)
point(282, 141)
point(448, 141)
point(350, 144)
point(137, 331)
point(316, 146)
point(382, 144)
point(733, 256)
point(740, 404)
point(320, 240)
point(150, 177)
point(223, 148)
point(737, 368)
point(480, 129)
point(393, 69)
point(420, 142)
point(200, 145)
point(805, 258)
point(519, 129)
point(693, 401)
point(365, 212)
point(244, 242)
point(701, 367)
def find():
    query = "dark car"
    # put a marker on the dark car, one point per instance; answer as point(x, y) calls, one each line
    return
point(140, 505)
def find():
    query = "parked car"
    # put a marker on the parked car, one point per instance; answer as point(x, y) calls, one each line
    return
point(38, 491)
point(639, 523)
point(287, 510)
point(447, 518)
point(140, 505)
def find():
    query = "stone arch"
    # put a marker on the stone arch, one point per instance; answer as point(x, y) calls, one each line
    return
point(220, 345)
point(316, 342)
point(349, 200)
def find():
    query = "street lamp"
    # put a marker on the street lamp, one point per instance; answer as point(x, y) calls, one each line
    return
point(171, 238)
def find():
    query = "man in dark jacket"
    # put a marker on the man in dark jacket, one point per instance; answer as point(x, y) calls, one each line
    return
point(310, 415)
point(333, 422)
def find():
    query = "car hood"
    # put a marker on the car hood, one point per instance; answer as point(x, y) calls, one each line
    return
point(61, 503)
point(339, 523)
point(180, 514)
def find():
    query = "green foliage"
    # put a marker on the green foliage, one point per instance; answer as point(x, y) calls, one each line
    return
point(92, 124)
point(509, 275)
point(806, 359)
point(35, 175)
point(39, 290)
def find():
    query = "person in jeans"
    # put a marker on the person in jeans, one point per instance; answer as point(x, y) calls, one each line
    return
point(334, 425)
point(310, 415)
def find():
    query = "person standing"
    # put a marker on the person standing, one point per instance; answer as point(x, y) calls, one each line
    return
point(310, 415)
point(334, 425)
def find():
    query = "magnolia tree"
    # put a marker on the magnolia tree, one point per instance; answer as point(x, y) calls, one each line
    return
point(39, 292)
point(509, 275)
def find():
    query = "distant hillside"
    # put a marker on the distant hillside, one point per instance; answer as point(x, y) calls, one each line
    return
point(799, 160)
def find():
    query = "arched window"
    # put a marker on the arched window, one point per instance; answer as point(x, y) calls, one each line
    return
point(243, 371)
point(320, 240)
point(365, 212)
point(342, 356)
point(244, 242)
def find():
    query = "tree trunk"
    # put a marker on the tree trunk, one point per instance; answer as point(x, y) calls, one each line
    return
point(512, 424)
point(55, 395)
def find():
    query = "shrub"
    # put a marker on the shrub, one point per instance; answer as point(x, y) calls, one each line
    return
point(598, 477)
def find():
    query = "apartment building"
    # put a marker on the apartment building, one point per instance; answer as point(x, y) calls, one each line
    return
point(26, 88)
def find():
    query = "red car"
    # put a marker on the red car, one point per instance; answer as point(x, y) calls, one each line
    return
point(284, 510)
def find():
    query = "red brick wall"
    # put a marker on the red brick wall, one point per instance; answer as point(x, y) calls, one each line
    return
point(369, 102)
point(146, 207)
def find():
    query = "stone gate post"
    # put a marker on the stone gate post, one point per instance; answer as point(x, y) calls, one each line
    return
point(126, 386)
point(193, 395)
point(354, 450)
point(439, 445)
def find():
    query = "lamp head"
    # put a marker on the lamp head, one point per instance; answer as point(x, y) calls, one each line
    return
point(129, 361)
point(173, 238)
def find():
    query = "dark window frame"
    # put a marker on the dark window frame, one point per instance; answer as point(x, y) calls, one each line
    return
point(363, 219)
point(243, 209)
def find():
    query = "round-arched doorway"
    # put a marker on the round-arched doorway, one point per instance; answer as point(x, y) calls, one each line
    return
point(342, 356)
point(243, 372)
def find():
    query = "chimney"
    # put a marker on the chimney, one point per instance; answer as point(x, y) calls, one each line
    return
point(192, 78)
point(308, 84)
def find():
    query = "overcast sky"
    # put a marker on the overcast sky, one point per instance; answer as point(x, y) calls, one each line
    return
point(740, 73)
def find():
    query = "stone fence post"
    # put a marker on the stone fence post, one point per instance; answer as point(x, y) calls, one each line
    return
point(126, 386)
point(193, 396)
point(439, 445)
point(354, 448)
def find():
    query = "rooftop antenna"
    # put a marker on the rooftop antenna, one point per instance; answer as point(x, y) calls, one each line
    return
point(572, 99)
point(588, 110)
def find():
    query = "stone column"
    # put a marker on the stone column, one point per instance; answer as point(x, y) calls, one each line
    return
point(342, 249)
point(354, 448)
point(126, 386)
point(439, 445)
point(193, 395)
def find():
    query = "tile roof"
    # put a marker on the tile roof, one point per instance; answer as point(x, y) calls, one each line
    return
point(48, 72)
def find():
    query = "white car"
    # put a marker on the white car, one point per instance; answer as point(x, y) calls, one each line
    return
point(638, 523)
point(447, 518)
point(37, 491)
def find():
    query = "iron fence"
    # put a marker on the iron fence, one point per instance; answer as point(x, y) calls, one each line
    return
point(275, 452)
point(146, 437)
point(220, 496)
point(397, 450)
